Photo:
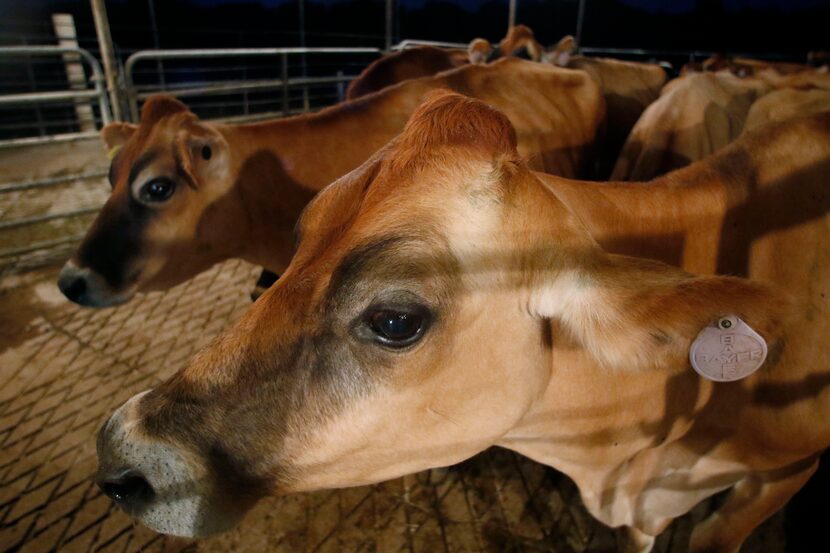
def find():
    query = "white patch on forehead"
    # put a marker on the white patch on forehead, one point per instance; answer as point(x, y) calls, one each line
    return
point(473, 226)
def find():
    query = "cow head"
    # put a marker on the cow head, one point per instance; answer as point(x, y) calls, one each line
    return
point(411, 330)
point(561, 52)
point(479, 50)
point(520, 41)
point(156, 228)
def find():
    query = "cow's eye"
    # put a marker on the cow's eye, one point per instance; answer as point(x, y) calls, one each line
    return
point(157, 190)
point(397, 328)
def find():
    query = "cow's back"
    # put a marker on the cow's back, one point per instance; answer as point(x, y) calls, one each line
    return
point(695, 116)
point(787, 103)
point(412, 63)
point(556, 112)
point(628, 88)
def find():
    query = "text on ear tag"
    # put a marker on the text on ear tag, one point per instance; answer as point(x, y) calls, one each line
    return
point(728, 350)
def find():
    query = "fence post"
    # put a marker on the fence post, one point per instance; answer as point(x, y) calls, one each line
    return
point(341, 86)
point(389, 10)
point(580, 18)
point(284, 58)
point(102, 29)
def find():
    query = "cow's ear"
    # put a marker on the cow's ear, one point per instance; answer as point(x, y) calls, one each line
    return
point(561, 59)
point(637, 314)
point(115, 135)
point(478, 51)
point(201, 154)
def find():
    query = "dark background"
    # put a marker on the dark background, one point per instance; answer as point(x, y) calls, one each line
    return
point(789, 27)
point(775, 29)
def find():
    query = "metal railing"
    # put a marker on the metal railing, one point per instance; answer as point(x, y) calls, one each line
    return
point(284, 83)
point(411, 43)
point(98, 91)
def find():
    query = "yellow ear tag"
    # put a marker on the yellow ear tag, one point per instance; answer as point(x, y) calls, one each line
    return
point(113, 152)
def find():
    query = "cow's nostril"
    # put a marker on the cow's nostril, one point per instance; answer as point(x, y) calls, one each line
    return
point(73, 287)
point(131, 489)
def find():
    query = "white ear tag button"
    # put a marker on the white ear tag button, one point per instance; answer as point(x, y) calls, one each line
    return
point(729, 350)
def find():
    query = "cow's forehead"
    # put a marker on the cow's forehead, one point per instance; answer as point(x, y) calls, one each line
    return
point(149, 137)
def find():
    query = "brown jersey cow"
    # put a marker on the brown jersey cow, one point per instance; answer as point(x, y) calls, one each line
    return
point(188, 194)
point(445, 298)
point(696, 115)
point(412, 63)
point(628, 88)
point(787, 103)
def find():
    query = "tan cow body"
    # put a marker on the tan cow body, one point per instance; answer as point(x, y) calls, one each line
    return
point(696, 115)
point(444, 298)
point(787, 103)
point(397, 67)
point(628, 88)
point(244, 200)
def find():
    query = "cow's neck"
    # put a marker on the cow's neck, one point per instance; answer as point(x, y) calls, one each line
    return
point(675, 219)
point(282, 164)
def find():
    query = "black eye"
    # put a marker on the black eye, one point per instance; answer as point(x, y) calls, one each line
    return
point(397, 328)
point(206, 152)
point(157, 190)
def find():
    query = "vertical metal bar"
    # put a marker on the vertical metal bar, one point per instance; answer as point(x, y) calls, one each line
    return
point(511, 15)
point(390, 7)
point(284, 58)
point(151, 5)
point(102, 28)
point(341, 86)
point(303, 66)
point(580, 19)
point(30, 73)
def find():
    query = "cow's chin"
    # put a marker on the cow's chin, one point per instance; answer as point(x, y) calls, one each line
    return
point(190, 517)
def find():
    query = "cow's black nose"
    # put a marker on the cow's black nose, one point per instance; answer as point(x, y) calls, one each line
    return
point(130, 490)
point(72, 286)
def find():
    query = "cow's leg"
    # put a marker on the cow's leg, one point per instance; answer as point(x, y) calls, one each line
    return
point(751, 502)
point(265, 280)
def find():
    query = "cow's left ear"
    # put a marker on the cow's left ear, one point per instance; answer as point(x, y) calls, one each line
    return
point(116, 134)
point(202, 154)
point(637, 314)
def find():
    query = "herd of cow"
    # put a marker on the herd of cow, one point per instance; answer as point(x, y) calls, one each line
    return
point(447, 285)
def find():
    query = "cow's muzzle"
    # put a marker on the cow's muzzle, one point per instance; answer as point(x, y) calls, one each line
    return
point(162, 484)
point(85, 287)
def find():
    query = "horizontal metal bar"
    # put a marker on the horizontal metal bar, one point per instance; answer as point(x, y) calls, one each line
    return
point(35, 246)
point(42, 97)
point(240, 86)
point(231, 52)
point(97, 79)
point(33, 140)
point(15, 223)
point(235, 52)
point(679, 53)
point(411, 43)
point(53, 181)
